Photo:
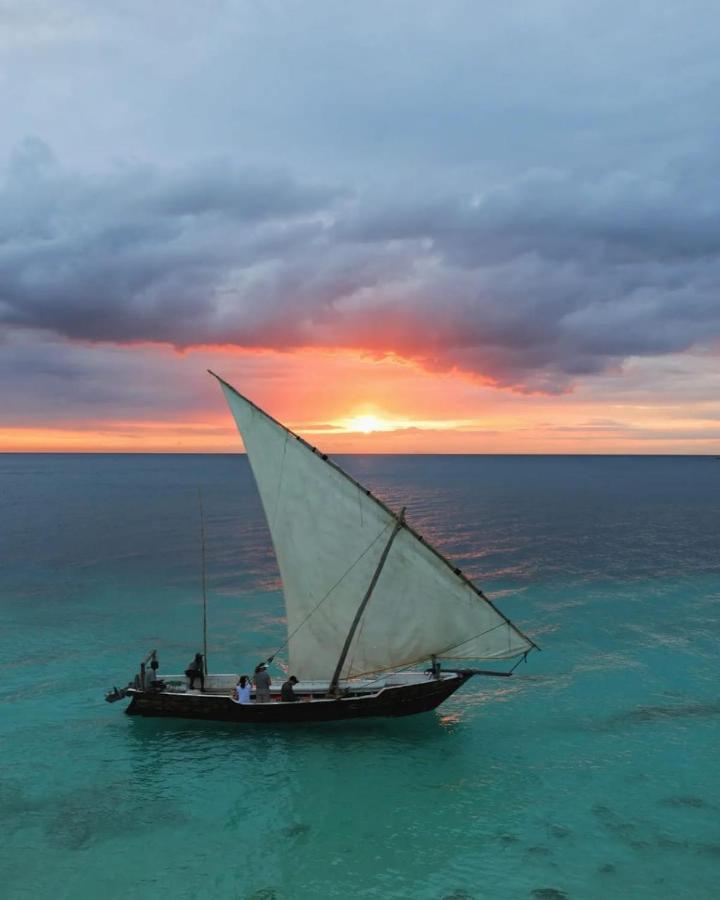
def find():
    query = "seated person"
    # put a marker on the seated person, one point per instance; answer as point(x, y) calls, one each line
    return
point(287, 691)
point(242, 690)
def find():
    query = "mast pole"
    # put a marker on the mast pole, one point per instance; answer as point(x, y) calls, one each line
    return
point(204, 580)
point(399, 523)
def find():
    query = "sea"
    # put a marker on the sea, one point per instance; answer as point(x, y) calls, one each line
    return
point(592, 773)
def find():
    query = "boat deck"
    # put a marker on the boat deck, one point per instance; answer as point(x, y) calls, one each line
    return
point(223, 685)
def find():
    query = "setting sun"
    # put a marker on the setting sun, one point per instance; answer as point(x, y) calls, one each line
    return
point(366, 424)
point(372, 422)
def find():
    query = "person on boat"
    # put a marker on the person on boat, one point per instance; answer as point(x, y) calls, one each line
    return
point(287, 691)
point(262, 684)
point(152, 682)
point(196, 669)
point(242, 690)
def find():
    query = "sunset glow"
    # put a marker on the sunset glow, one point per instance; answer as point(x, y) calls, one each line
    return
point(347, 402)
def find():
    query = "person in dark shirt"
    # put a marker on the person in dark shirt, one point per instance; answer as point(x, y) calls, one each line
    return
point(196, 669)
point(287, 691)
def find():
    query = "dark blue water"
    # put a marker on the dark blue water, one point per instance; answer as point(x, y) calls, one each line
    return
point(593, 772)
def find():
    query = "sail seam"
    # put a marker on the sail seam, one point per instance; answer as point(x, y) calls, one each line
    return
point(280, 480)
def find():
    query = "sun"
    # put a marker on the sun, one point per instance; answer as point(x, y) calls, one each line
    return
point(365, 424)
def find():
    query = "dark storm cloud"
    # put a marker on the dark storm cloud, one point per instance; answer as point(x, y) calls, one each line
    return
point(526, 192)
point(531, 285)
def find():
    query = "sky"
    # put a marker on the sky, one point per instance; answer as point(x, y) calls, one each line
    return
point(454, 227)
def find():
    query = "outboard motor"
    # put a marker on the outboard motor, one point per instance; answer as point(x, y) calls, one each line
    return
point(115, 694)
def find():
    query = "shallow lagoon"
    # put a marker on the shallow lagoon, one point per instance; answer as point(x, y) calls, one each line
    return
point(592, 773)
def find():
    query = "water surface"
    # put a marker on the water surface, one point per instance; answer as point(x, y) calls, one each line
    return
point(593, 772)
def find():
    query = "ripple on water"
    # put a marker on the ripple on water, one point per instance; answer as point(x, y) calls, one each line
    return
point(686, 802)
point(642, 715)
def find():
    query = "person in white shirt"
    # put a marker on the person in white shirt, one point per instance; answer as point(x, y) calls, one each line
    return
point(242, 690)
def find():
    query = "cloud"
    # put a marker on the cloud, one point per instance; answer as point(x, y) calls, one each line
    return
point(530, 285)
point(525, 194)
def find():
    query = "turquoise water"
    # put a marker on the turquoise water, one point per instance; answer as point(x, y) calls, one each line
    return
point(593, 773)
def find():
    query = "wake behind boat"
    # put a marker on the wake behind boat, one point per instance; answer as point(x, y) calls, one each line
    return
point(366, 598)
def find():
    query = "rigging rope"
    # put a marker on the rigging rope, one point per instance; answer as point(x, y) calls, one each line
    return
point(471, 638)
point(319, 604)
point(523, 658)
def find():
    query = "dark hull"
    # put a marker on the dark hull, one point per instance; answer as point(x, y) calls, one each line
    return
point(404, 700)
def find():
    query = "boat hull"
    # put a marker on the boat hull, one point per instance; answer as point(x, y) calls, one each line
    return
point(394, 701)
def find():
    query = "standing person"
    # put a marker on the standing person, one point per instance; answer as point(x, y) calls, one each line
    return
point(262, 684)
point(242, 690)
point(287, 691)
point(152, 682)
point(196, 669)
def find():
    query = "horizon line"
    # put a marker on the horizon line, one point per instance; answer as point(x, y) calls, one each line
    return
point(345, 453)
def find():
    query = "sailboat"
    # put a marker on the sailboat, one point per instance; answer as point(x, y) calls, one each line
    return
point(368, 601)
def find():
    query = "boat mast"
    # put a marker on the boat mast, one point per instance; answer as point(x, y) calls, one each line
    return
point(204, 581)
point(399, 523)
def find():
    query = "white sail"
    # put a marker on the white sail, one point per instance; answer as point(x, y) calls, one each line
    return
point(329, 534)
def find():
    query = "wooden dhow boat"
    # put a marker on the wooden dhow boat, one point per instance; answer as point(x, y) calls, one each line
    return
point(366, 597)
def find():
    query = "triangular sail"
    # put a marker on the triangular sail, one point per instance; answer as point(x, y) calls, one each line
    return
point(329, 534)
